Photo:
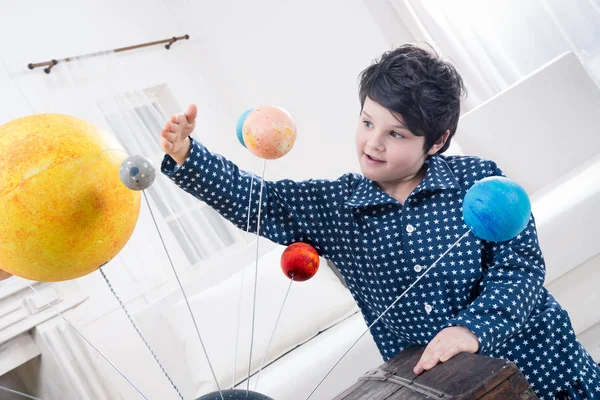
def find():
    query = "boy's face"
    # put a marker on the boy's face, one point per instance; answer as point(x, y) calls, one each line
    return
point(388, 152)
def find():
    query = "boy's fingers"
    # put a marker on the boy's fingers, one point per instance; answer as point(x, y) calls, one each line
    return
point(427, 354)
point(166, 145)
point(431, 355)
point(449, 353)
point(191, 113)
point(175, 118)
point(432, 362)
point(171, 127)
point(419, 367)
point(434, 357)
point(168, 135)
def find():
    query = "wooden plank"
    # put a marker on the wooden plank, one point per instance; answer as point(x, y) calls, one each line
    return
point(478, 375)
point(466, 376)
point(408, 394)
point(372, 390)
point(507, 389)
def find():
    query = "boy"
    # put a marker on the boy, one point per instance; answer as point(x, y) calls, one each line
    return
point(382, 228)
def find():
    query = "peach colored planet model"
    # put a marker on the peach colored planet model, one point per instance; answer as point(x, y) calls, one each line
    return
point(269, 132)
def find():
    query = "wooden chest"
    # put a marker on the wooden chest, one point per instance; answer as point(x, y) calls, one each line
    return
point(466, 376)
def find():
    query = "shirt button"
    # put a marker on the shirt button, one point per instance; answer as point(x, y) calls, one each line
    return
point(418, 268)
point(428, 308)
point(410, 228)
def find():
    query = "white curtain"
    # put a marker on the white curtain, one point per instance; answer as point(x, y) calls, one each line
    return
point(135, 117)
point(496, 43)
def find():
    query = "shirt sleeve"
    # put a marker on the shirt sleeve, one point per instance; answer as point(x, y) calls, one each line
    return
point(290, 211)
point(514, 272)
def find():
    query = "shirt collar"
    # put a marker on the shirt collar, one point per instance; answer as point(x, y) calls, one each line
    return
point(439, 176)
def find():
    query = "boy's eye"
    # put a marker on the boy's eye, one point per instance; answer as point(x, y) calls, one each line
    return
point(396, 134)
point(367, 124)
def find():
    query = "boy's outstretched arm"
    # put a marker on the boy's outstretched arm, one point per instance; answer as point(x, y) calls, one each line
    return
point(290, 211)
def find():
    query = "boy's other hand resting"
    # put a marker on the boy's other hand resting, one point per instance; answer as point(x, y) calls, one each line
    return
point(174, 137)
point(445, 345)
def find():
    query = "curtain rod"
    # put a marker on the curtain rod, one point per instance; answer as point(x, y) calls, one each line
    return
point(50, 64)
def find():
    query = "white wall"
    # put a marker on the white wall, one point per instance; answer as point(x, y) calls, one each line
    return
point(238, 57)
point(304, 56)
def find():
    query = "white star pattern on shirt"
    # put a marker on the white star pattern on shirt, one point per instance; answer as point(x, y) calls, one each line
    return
point(381, 246)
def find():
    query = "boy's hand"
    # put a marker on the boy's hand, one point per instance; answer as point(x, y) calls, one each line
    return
point(174, 136)
point(445, 345)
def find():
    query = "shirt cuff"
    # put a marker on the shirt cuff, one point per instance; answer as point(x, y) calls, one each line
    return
point(169, 166)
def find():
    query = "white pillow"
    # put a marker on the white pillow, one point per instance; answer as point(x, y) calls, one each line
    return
point(311, 307)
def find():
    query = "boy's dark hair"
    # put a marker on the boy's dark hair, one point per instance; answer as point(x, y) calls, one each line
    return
point(420, 86)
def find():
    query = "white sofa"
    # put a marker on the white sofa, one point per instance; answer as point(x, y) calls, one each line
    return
point(319, 322)
point(543, 132)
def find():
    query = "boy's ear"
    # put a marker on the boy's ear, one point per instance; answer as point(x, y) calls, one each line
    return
point(439, 144)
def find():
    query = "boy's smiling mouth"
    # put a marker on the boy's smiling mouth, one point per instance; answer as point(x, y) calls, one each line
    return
point(373, 160)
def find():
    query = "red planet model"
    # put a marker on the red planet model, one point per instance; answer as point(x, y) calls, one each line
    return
point(300, 261)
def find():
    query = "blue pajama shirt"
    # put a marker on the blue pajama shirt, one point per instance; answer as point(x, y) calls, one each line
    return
point(381, 246)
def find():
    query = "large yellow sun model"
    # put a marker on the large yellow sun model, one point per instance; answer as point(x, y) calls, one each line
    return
point(64, 211)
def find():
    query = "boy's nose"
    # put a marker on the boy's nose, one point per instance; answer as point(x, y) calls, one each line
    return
point(376, 143)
